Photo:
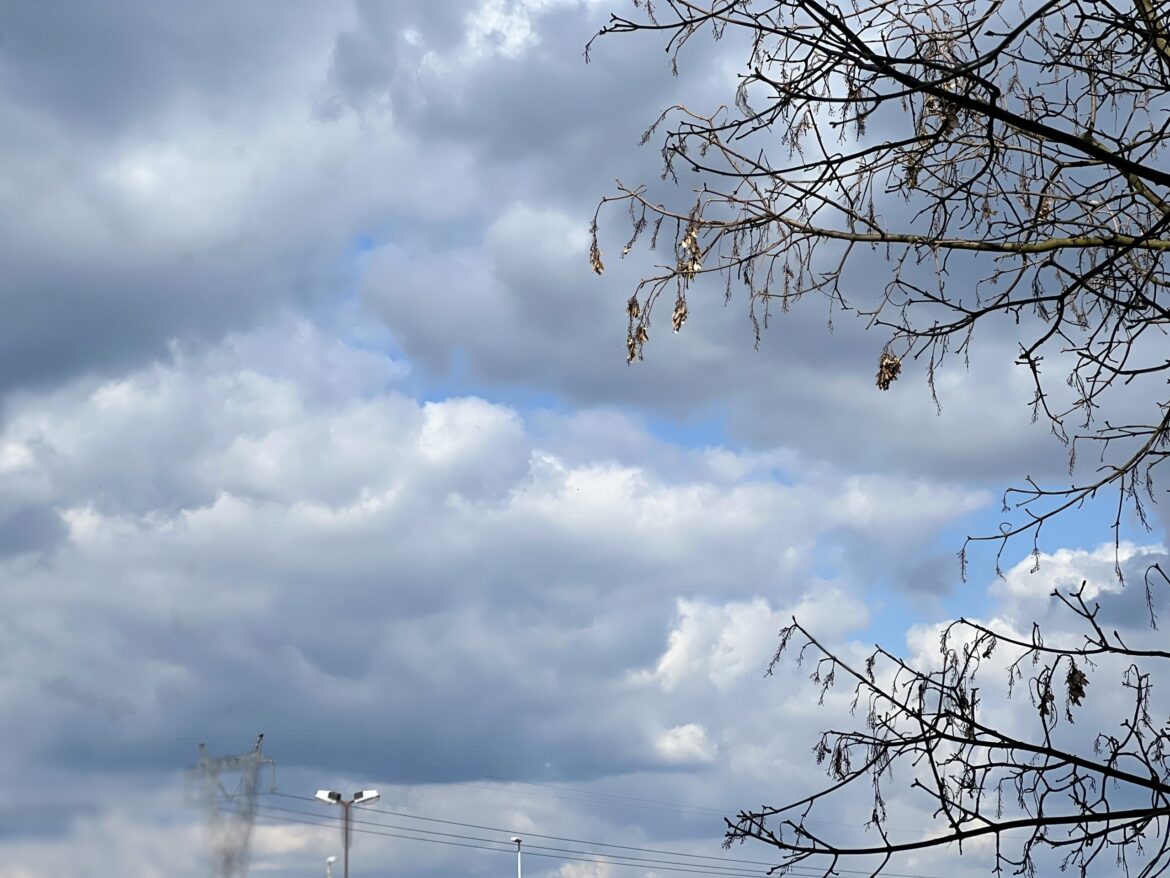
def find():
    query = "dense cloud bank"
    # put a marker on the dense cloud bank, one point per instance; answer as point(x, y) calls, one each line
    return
point(271, 534)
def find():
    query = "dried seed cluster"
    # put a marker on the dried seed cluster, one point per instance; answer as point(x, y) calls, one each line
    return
point(888, 368)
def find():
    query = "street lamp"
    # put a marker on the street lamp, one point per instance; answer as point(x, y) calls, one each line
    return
point(329, 861)
point(361, 797)
point(518, 841)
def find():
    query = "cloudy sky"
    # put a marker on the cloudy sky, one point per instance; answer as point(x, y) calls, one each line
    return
point(314, 422)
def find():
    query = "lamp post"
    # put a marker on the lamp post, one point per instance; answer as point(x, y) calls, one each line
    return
point(361, 797)
point(329, 861)
point(518, 841)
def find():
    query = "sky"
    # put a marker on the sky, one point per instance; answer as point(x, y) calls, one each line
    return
point(314, 422)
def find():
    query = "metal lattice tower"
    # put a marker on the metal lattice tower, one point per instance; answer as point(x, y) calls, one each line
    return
point(231, 814)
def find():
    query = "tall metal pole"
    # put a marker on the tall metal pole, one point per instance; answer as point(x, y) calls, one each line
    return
point(332, 797)
point(518, 866)
point(345, 805)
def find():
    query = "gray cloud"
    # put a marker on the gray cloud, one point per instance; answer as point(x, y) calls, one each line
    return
point(283, 554)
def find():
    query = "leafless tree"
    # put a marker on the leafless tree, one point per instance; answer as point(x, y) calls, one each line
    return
point(1017, 143)
point(1020, 145)
point(1032, 793)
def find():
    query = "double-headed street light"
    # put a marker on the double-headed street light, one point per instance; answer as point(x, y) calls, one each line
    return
point(361, 797)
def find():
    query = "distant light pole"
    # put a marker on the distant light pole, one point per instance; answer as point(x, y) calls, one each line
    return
point(518, 841)
point(361, 797)
point(329, 861)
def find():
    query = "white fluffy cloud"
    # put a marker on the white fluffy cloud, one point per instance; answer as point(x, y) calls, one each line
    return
point(686, 744)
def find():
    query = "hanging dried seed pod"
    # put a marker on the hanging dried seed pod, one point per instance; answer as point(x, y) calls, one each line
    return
point(888, 368)
point(679, 317)
point(595, 257)
point(1076, 681)
point(688, 262)
point(635, 338)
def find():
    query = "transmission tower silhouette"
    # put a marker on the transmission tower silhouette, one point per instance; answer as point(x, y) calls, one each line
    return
point(231, 813)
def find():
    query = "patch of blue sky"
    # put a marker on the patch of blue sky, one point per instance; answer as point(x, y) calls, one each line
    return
point(1087, 527)
point(1083, 526)
point(894, 609)
point(892, 612)
point(413, 231)
point(459, 380)
point(708, 431)
point(372, 336)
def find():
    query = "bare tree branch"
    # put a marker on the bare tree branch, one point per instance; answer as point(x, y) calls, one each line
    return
point(1026, 138)
point(927, 723)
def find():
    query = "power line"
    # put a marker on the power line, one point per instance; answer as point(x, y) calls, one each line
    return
point(528, 834)
point(554, 854)
point(572, 856)
point(602, 798)
point(330, 825)
point(732, 870)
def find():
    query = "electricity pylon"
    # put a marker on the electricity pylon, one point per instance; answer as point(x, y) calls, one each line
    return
point(230, 815)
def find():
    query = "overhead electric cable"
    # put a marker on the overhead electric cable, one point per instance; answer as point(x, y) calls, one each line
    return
point(528, 847)
point(603, 798)
point(505, 847)
point(529, 834)
point(589, 843)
